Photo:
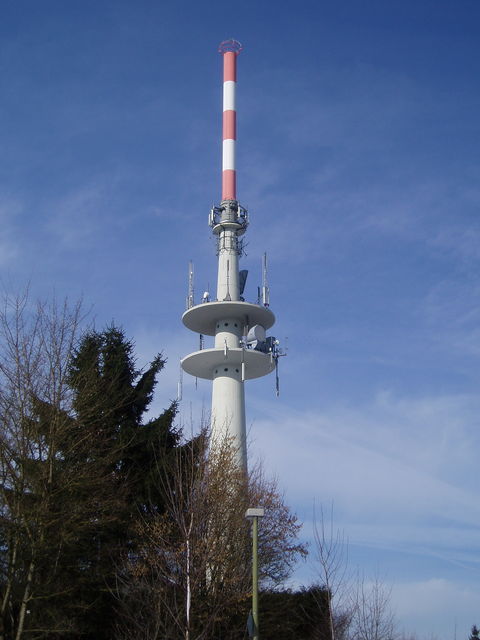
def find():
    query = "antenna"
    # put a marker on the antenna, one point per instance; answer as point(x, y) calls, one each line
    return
point(180, 385)
point(265, 289)
point(191, 290)
point(230, 50)
point(228, 296)
point(237, 354)
point(277, 378)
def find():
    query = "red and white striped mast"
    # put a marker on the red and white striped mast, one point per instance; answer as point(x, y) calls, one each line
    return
point(230, 50)
point(241, 349)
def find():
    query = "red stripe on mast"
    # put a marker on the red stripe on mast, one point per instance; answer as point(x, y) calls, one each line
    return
point(229, 184)
point(230, 125)
point(229, 66)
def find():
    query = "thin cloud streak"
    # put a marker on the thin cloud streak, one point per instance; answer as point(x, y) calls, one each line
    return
point(352, 461)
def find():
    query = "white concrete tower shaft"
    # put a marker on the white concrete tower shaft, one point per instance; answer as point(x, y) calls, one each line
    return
point(233, 359)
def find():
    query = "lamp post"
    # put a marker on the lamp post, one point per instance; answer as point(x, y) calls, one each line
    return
point(254, 515)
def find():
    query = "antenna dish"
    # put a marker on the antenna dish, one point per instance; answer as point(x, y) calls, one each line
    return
point(231, 45)
point(256, 334)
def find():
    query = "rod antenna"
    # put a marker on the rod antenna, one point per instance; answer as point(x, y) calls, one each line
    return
point(228, 296)
point(265, 289)
point(180, 386)
point(191, 289)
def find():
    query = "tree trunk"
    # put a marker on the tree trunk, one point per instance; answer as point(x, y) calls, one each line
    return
point(25, 600)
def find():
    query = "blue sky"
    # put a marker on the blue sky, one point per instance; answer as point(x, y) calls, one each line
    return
point(358, 158)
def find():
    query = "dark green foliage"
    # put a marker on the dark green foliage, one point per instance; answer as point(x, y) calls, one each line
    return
point(475, 633)
point(284, 615)
point(110, 399)
point(296, 615)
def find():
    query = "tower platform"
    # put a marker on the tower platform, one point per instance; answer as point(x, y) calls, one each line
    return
point(203, 318)
point(210, 363)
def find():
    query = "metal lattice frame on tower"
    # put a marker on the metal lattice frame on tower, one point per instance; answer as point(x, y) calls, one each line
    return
point(241, 350)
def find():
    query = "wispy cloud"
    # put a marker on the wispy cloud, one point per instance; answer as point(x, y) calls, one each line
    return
point(399, 470)
point(76, 217)
point(452, 310)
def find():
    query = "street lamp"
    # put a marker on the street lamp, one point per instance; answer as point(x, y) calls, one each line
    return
point(254, 515)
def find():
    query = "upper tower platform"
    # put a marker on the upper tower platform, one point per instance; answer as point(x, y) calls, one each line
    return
point(205, 318)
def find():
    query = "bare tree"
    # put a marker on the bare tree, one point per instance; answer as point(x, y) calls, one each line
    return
point(194, 570)
point(373, 617)
point(359, 609)
point(331, 556)
point(34, 398)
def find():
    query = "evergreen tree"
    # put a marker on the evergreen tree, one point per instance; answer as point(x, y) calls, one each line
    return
point(110, 399)
point(475, 633)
